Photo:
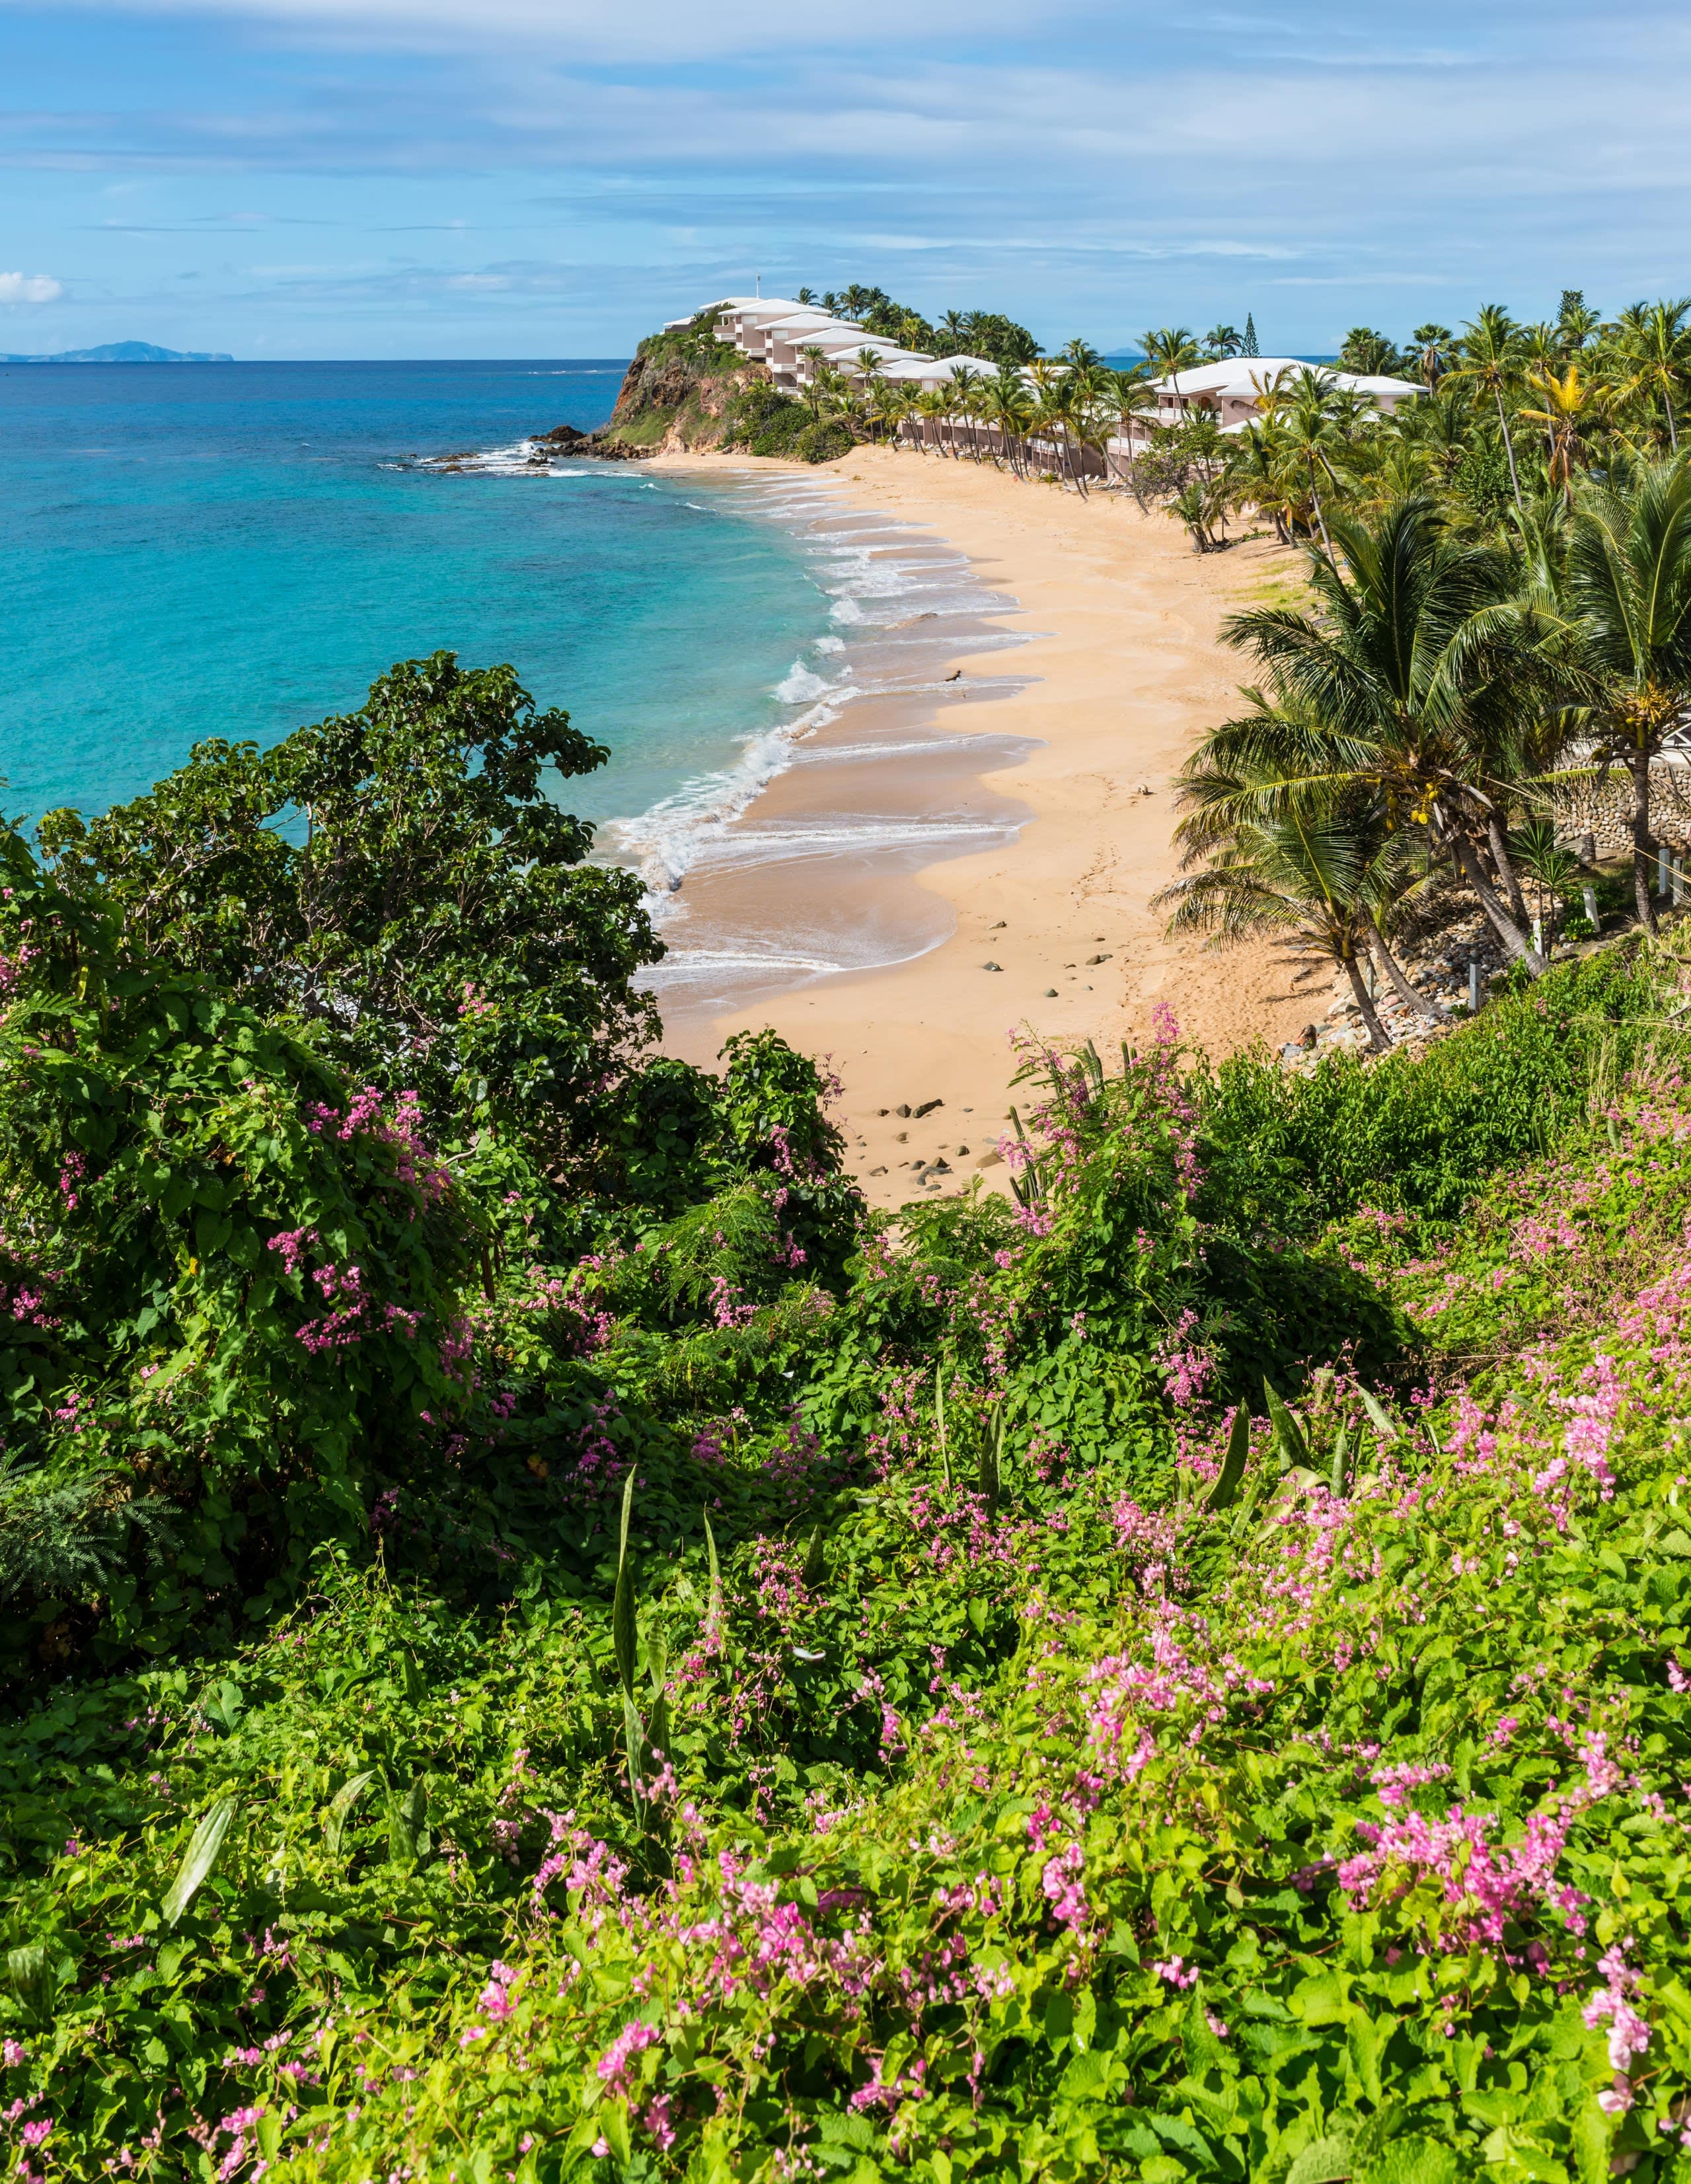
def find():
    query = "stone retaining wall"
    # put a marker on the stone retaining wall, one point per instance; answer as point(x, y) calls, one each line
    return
point(1606, 810)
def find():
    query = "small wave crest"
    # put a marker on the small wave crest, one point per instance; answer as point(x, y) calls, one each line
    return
point(801, 686)
point(665, 842)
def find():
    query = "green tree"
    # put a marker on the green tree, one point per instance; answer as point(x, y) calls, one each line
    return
point(1490, 361)
point(1628, 588)
point(1169, 350)
point(1419, 679)
point(1659, 353)
point(1316, 874)
point(401, 882)
point(1431, 346)
point(1370, 354)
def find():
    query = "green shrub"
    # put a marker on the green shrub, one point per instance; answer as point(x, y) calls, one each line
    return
point(1415, 1132)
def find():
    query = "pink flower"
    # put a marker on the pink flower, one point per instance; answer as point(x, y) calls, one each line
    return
point(1061, 1881)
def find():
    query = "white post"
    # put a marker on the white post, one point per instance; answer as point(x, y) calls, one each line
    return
point(1678, 880)
point(1590, 894)
point(1538, 936)
point(1473, 985)
point(1661, 868)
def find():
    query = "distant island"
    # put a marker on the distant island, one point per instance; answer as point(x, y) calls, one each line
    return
point(124, 353)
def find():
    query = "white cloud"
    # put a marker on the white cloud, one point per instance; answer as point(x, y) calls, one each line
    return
point(30, 288)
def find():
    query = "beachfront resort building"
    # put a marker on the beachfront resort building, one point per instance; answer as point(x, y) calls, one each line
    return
point(1232, 391)
point(791, 338)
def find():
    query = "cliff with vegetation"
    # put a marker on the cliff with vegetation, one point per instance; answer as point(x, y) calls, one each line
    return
point(686, 392)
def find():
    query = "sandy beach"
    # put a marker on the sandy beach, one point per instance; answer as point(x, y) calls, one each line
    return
point(1065, 779)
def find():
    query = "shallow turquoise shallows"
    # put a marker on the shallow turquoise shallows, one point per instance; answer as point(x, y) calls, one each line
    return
point(232, 550)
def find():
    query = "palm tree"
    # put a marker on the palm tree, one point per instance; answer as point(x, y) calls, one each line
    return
point(813, 388)
point(1419, 678)
point(965, 388)
point(1133, 400)
point(934, 403)
point(952, 330)
point(1489, 360)
point(1170, 350)
point(1009, 406)
point(1268, 479)
point(1310, 418)
point(1314, 874)
point(1569, 401)
point(1629, 588)
point(1432, 346)
point(1659, 348)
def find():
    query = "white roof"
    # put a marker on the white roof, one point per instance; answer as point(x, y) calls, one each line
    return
point(792, 320)
point(849, 340)
point(1241, 377)
point(764, 308)
point(818, 336)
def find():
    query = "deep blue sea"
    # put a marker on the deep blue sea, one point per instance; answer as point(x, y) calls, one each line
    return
point(236, 550)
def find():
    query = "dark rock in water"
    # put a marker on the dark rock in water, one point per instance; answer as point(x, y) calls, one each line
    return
point(560, 436)
point(675, 883)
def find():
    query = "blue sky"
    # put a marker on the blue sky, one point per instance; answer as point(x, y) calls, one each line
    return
point(379, 178)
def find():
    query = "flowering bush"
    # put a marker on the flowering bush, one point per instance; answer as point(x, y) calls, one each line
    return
point(677, 1679)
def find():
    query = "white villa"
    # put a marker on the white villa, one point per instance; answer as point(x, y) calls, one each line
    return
point(777, 331)
point(1231, 392)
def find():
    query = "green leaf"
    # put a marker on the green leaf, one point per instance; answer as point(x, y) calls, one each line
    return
point(29, 1971)
point(815, 1571)
point(940, 1422)
point(634, 1740)
point(1415, 2160)
point(407, 1834)
point(991, 1469)
point(713, 1605)
point(1384, 1423)
point(613, 2123)
point(340, 1808)
point(1340, 1452)
point(1327, 2162)
point(1287, 1433)
point(201, 1855)
point(1225, 1491)
point(624, 1635)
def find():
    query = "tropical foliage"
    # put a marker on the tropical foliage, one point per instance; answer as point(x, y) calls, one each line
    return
point(919, 1720)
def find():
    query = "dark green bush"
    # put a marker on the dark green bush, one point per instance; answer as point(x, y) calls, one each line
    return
point(1287, 1153)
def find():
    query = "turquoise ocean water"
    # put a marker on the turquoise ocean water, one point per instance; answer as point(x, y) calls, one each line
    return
point(233, 550)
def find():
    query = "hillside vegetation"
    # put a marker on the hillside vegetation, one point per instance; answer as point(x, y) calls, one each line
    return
point(544, 1642)
point(685, 389)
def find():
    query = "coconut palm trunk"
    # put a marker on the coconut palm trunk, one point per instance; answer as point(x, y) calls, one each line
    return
point(1404, 987)
point(1643, 839)
point(1515, 939)
point(1509, 449)
point(1378, 1038)
point(1504, 866)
